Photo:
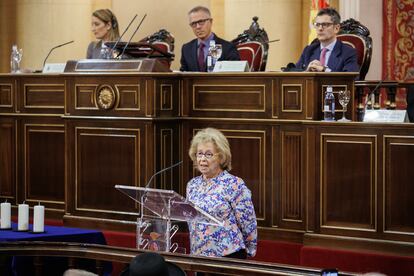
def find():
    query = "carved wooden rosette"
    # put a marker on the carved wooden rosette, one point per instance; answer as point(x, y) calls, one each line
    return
point(105, 97)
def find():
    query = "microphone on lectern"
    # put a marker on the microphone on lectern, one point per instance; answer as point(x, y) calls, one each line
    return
point(58, 46)
point(161, 171)
point(126, 45)
point(119, 39)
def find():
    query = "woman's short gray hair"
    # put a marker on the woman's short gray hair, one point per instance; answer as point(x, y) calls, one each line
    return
point(218, 139)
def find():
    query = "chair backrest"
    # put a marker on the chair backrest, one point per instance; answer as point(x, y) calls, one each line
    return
point(162, 40)
point(253, 46)
point(357, 36)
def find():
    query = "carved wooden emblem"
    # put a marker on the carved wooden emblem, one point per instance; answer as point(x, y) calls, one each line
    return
point(105, 97)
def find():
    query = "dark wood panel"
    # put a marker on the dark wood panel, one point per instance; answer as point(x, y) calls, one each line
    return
point(43, 95)
point(85, 96)
point(291, 193)
point(398, 184)
point(35, 95)
point(7, 158)
point(6, 95)
point(129, 97)
point(168, 97)
point(292, 98)
point(229, 97)
point(348, 181)
point(44, 163)
point(328, 179)
point(167, 154)
point(106, 157)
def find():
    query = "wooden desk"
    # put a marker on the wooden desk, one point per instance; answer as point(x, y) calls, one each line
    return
point(67, 139)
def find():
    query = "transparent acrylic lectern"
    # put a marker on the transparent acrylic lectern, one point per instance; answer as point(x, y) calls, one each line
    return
point(158, 209)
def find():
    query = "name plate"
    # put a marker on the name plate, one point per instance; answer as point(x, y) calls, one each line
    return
point(231, 66)
point(54, 68)
point(385, 116)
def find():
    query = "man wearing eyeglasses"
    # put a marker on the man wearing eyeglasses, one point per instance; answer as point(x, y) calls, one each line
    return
point(194, 53)
point(328, 53)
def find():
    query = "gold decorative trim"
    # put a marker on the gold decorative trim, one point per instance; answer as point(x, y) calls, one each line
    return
point(78, 88)
point(308, 87)
point(105, 97)
point(283, 135)
point(25, 91)
point(163, 160)
point(261, 93)
point(45, 201)
point(274, 102)
point(299, 98)
point(163, 97)
point(137, 96)
point(30, 115)
point(10, 91)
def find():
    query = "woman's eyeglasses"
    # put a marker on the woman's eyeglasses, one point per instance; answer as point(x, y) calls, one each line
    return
point(207, 155)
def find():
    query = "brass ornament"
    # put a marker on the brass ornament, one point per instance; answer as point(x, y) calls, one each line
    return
point(105, 97)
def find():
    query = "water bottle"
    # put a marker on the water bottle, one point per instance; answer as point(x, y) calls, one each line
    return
point(106, 52)
point(329, 105)
point(210, 56)
point(14, 60)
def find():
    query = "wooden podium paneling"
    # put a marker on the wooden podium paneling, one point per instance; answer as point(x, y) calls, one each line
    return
point(397, 188)
point(68, 139)
point(8, 159)
point(348, 181)
point(44, 163)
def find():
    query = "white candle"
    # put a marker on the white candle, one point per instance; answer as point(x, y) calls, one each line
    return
point(39, 218)
point(5, 209)
point(23, 217)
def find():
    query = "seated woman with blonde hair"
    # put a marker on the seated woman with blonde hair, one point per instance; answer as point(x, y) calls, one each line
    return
point(105, 28)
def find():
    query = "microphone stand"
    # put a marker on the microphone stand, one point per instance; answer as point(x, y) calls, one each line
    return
point(66, 43)
point(119, 39)
point(126, 45)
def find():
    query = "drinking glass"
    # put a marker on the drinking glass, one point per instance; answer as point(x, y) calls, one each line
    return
point(344, 96)
point(217, 51)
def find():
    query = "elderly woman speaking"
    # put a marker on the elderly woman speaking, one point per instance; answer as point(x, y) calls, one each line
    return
point(222, 195)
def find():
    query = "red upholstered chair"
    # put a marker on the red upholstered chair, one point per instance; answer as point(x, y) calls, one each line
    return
point(163, 41)
point(253, 46)
point(357, 36)
point(252, 52)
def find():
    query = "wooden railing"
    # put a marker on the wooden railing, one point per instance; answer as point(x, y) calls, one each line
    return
point(101, 253)
point(365, 88)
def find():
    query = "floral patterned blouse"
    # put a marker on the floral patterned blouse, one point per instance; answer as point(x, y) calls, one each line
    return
point(227, 198)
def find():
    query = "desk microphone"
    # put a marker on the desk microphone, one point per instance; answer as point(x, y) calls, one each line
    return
point(58, 46)
point(161, 171)
point(369, 96)
point(126, 45)
point(119, 39)
point(271, 41)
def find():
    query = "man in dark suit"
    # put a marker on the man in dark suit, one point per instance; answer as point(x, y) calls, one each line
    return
point(194, 53)
point(328, 54)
